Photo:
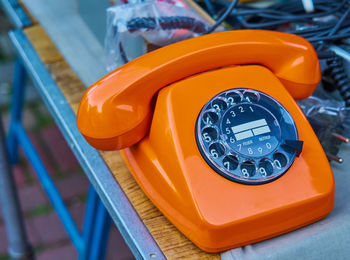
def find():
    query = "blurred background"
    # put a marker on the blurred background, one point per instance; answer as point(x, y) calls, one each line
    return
point(45, 231)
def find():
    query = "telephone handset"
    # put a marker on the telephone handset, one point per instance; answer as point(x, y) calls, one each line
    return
point(211, 132)
point(124, 96)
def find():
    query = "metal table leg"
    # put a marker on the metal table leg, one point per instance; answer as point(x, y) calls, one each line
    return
point(97, 224)
point(91, 244)
point(101, 232)
point(18, 247)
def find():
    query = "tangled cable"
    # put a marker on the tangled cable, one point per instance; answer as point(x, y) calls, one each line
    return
point(290, 16)
point(329, 23)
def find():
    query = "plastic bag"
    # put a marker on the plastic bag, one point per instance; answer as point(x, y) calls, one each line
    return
point(326, 112)
point(159, 23)
point(330, 120)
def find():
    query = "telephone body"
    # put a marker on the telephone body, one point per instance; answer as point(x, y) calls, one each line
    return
point(210, 130)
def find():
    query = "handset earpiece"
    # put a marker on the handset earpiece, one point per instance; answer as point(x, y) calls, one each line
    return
point(115, 112)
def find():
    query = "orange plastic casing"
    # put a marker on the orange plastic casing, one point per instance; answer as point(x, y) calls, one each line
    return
point(215, 213)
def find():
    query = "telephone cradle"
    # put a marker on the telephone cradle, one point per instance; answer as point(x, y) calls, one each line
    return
point(210, 130)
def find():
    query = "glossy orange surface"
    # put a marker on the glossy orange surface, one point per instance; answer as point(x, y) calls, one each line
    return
point(215, 213)
point(124, 96)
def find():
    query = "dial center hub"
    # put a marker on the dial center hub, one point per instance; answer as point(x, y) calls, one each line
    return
point(251, 130)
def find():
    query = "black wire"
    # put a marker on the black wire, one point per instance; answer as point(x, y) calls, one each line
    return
point(325, 54)
point(286, 12)
point(223, 17)
point(290, 13)
point(340, 22)
point(210, 8)
point(330, 38)
point(123, 54)
point(285, 15)
point(166, 23)
point(260, 24)
point(327, 24)
point(336, 78)
point(335, 28)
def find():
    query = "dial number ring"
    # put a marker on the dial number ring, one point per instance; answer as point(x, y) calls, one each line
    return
point(240, 134)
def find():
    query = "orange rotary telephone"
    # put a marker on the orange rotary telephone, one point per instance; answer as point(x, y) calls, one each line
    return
point(211, 132)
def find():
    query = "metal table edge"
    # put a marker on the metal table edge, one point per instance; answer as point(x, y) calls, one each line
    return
point(133, 230)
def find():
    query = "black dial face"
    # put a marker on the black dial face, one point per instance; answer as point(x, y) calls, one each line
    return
point(242, 134)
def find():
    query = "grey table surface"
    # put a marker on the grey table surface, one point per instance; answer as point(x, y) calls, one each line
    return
point(326, 239)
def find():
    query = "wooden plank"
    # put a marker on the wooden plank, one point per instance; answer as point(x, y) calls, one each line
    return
point(47, 52)
point(72, 37)
point(200, 11)
point(171, 241)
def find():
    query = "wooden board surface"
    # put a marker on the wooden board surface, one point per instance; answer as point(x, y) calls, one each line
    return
point(71, 36)
point(171, 241)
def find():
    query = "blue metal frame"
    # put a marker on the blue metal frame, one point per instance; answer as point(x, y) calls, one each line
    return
point(104, 186)
point(96, 227)
point(16, 13)
point(95, 214)
point(119, 207)
point(17, 98)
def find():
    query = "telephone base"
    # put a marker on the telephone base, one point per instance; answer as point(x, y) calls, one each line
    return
point(214, 212)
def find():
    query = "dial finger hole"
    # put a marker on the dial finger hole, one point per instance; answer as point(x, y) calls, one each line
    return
point(233, 98)
point(219, 105)
point(248, 169)
point(230, 162)
point(265, 168)
point(209, 134)
point(279, 160)
point(216, 150)
point(250, 96)
point(210, 118)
